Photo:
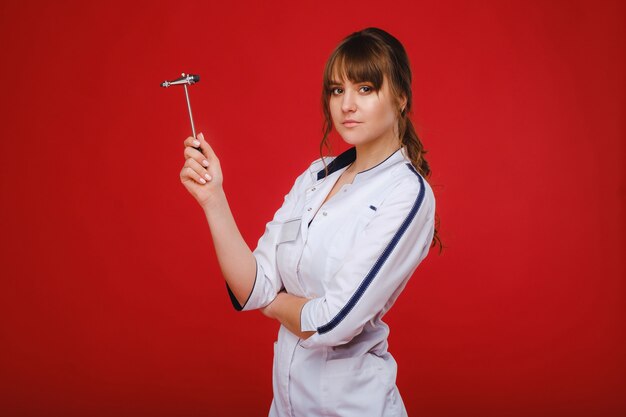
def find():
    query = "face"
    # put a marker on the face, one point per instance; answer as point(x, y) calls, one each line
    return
point(361, 115)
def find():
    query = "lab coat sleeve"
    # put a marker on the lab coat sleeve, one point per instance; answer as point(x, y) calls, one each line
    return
point(377, 267)
point(267, 282)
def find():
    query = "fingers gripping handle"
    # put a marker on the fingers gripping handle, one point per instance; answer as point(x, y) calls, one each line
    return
point(200, 138)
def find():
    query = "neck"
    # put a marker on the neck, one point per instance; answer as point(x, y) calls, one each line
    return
point(372, 154)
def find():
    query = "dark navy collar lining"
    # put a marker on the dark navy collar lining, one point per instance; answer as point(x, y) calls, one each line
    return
point(343, 160)
point(346, 158)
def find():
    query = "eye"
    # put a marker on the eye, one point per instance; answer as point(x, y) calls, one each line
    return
point(336, 91)
point(366, 89)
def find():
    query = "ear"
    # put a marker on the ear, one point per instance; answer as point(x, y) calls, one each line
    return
point(403, 101)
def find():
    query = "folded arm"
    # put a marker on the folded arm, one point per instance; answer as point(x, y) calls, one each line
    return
point(377, 268)
point(286, 309)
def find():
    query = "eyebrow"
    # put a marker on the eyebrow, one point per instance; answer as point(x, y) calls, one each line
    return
point(339, 83)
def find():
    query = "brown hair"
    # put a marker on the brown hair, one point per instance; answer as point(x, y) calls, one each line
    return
point(370, 55)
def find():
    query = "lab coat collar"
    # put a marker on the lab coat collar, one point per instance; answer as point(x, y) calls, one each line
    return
point(343, 160)
point(346, 158)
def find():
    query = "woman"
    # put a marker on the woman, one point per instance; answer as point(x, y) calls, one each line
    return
point(343, 245)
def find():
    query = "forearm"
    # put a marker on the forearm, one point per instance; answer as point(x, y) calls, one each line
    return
point(234, 256)
point(286, 309)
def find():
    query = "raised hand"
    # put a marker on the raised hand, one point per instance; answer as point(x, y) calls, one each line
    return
point(201, 174)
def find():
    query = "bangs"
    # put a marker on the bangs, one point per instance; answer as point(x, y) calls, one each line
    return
point(357, 60)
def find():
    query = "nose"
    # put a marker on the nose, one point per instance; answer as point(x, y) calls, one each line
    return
point(348, 103)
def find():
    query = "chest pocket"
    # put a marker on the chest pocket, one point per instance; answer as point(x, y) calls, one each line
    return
point(289, 230)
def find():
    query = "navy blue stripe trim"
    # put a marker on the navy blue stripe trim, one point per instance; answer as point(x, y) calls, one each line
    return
point(379, 262)
point(234, 300)
point(342, 160)
point(380, 163)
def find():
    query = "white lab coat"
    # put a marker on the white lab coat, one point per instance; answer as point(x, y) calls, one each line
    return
point(352, 257)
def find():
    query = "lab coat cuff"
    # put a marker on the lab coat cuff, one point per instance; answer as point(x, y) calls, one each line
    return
point(307, 315)
point(253, 297)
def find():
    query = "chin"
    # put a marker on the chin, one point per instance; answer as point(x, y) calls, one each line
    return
point(352, 139)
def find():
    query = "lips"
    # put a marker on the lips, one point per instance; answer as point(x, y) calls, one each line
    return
point(350, 123)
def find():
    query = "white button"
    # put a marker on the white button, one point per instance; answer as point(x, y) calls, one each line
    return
point(313, 189)
point(324, 213)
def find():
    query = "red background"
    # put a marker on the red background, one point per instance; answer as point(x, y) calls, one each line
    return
point(111, 298)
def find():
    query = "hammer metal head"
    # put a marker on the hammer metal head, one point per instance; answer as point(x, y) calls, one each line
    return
point(185, 79)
